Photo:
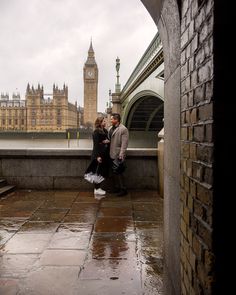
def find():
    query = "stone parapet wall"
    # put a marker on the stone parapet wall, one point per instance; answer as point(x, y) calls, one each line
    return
point(196, 146)
point(64, 169)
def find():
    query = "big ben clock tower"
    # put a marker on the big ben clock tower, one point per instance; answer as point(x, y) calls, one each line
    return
point(90, 88)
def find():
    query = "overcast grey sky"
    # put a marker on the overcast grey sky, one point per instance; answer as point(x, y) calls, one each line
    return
point(46, 41)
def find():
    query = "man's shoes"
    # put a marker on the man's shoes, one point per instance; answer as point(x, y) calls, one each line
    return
point(121, 193)
point(99, 191)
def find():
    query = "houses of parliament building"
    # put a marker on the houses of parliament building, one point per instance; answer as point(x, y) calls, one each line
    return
point(51, 112)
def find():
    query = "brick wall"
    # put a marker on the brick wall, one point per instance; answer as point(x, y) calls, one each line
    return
point(196, 146)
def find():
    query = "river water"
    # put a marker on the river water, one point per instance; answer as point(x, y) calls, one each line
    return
point(44, 143)
point(64, 143)
point(17, 141)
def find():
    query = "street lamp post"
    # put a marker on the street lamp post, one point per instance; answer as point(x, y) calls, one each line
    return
point(118, 87)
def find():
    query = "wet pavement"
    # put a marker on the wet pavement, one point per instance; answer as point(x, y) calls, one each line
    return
point(68, 242)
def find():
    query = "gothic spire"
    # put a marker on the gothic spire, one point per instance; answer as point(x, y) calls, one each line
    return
point(91, 56)
point(91, 47)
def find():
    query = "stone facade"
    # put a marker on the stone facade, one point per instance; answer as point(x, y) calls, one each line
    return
point(39, 111)
point(13, 113)
point(53, 114)
point(90, 88)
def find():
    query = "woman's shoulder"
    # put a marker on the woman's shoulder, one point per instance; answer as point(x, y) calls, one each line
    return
point(99, 132)
point(95, 130)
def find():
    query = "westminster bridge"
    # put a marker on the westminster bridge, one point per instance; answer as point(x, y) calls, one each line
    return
point(141, 101)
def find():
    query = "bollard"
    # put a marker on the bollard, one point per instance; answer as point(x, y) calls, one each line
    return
point(77, 136)
point(68, 136)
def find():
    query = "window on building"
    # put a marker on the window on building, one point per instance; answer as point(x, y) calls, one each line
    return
point(3, 122)
point(33, 122)
point(16, 121)
point(9, 121)
point(22, 121)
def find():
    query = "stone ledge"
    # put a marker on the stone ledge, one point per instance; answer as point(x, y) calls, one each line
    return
point(133, 152)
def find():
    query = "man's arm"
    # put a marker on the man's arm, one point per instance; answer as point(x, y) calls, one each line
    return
point(124, 143)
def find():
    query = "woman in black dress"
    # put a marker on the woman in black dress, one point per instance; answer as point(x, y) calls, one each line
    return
point(100, 153)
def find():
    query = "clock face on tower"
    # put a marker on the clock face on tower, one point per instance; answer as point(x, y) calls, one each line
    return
point(90, 74)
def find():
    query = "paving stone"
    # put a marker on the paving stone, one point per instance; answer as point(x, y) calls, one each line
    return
point(38, 227)
point(111, 224)
point(20, 205)
point(70, 238)
point(51, 280)
point(5, 236)
point(113, 245)
point(63, 194)
point(15, 214)
point(57, 204)
point(88, 218)
point(9, 286)
point(144, 196)
point(108, 203)
point(120, 269)
point(109, 286)
point(55, 215)
point(11, 225)
point(83, 208)
point(17, 265)
point(111, 211)
point(63, 257)
point(27, 243)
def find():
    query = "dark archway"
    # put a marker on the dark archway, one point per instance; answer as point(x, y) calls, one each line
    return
point(146, 114)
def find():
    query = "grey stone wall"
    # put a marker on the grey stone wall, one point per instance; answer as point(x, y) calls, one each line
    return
point(169, 26)
point(64, 169)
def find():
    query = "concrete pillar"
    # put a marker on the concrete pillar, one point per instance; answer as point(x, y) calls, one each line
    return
point(116, 105)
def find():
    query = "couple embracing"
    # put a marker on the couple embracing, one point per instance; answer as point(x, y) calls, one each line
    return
point(109, 150)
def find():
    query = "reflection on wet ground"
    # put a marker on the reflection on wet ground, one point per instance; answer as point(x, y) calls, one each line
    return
point(68, 242)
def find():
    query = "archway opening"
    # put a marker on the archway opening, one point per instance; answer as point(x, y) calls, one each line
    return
point(145, 120)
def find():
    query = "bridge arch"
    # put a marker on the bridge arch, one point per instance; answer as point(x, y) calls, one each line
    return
point(145, 112)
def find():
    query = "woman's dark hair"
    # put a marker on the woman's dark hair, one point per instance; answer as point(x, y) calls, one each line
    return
point(116, 116)
point(98, 123)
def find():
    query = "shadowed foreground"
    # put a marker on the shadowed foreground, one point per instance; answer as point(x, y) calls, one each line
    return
point(67, 242)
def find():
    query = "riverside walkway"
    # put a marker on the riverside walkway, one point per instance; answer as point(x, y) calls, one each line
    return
point(67, 242)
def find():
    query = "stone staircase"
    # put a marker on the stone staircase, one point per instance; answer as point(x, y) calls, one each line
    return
point(5, 188)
